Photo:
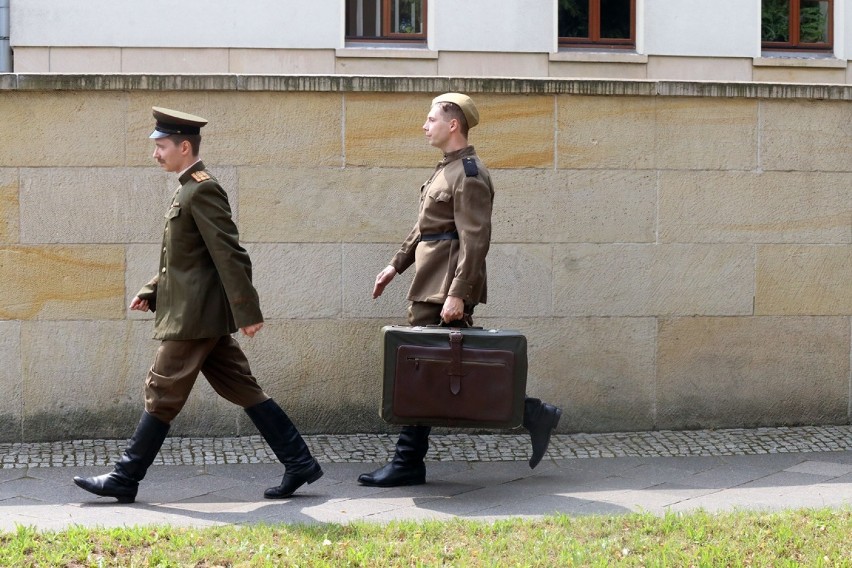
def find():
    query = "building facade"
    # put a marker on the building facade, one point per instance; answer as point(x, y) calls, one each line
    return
point(703, 40)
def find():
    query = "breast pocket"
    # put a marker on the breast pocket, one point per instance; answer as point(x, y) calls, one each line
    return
point(441, 196)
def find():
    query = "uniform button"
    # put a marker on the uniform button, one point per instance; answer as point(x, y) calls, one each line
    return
point(164, 270)
point(164, 249)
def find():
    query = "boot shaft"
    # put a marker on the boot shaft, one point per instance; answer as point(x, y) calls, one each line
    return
point(143, 448)
point(281, 434)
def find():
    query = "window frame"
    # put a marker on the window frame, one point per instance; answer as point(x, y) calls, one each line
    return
point(794, 22)
point(594, 39)
point(387, 35)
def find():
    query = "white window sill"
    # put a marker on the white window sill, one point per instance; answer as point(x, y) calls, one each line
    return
point(598, 56)
point(386, 51)
point(792, 59)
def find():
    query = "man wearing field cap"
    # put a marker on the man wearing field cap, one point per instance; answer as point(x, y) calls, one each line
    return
point(447, 248)
point(201, 294)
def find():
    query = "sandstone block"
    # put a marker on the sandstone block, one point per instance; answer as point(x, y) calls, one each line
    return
point(644, 280)
point(520, 280)
point(84, 379)
point(513, 132)
point(600, 371)
point(9, 206)
point(705, 134)
point(768, 207)
point(805, 280)
point(325, 373)
point(248, 128)
point(383, 130)
point(142, 265)
point(605, 132)
point(97, 205)
point(11, 381)
point(361, 264)
point(574, 206)
point(806, 135)
point(329, 204)
point(69, 128)
point(297, 280)
point(752, 371)
point(62, 283)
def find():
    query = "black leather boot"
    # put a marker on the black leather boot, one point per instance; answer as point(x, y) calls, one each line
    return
point(287, 444)
point(540, 419)
point(123, 482)
point(407, 466)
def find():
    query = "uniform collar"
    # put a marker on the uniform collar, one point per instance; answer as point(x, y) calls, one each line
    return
point(458, 154)
point(184, 175)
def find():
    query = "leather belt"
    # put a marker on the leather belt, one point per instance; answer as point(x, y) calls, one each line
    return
point(450, 236)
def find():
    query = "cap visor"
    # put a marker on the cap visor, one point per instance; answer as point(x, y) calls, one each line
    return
point(158, 134)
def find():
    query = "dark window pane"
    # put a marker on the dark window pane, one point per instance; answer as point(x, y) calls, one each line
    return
point(813, 21)
point(776, 20)
point(406, 17)
point(363, 18)
point(615, 19)
point(573, 18)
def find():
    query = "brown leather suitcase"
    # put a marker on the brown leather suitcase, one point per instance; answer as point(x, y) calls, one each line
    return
point(439, 376)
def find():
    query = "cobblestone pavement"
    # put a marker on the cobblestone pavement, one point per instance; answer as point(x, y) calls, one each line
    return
point(202, 482)
point(370, 448)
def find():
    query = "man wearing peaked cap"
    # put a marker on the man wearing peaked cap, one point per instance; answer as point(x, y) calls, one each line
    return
point(171, 122)
point(447, 248)
point(201, 294)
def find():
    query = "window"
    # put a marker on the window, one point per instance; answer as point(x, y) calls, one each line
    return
point(386, 20)
point(797, 24)
point(597, 22)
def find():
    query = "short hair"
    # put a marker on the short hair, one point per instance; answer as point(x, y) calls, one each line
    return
point(452, 110)
point(193, 139)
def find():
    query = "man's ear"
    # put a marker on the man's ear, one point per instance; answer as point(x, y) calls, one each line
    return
point(454, 124)
point(185, 147)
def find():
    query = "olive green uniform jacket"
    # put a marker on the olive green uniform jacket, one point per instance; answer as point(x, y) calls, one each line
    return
point(458, 197)
point(204, 287)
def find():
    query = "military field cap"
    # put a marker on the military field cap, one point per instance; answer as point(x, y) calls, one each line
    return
point(171, 122)
point(464, 102)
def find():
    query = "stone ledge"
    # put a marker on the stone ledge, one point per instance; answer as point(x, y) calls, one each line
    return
point(403, 84)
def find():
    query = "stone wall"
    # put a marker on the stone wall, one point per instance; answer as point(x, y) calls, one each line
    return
point(679, 255)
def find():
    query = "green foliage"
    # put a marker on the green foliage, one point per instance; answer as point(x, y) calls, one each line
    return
point(812, 25)
point(775, 22)
point(574, 18)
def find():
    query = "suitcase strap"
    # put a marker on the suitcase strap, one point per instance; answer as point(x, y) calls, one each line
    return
point(455, 370)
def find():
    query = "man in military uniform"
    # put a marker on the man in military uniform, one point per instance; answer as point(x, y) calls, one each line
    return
point(201, 295)
point(447, 247)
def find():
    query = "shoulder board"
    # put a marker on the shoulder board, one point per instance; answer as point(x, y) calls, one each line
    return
point(470, 169)
point(200, 176)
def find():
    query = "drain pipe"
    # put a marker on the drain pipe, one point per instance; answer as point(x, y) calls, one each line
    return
point(5, 49)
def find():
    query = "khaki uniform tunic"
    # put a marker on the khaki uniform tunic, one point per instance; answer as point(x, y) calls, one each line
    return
point(203, 288)
point(452, 200)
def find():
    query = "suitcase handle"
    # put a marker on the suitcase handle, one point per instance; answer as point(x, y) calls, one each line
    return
point(455, 370)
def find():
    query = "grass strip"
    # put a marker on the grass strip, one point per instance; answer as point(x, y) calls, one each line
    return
point(804, 537)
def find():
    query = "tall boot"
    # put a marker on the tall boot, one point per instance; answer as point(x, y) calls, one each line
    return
point(123, 482)
point(540, 419)
point(287, 444)
point(407, 466)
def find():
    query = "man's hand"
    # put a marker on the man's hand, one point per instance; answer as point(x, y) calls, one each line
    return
point(453, 309)
point(139, 304)
point(250, 330)
point(383, 279)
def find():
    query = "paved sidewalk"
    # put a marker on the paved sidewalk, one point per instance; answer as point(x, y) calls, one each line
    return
point(205, 481)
